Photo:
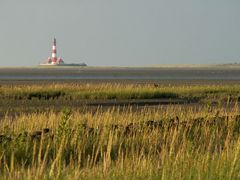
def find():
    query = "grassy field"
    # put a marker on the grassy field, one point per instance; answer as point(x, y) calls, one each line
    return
point(165, 142)
point(117, 91)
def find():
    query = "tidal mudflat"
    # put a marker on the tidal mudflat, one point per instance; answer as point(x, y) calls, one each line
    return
point(219, 72)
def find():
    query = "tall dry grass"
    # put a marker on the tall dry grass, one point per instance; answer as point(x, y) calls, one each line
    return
point(161, 143)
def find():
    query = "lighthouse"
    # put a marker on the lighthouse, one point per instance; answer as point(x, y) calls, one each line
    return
point(55, 61)
point(54, 51)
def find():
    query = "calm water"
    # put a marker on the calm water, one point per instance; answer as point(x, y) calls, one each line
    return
point(120, 73)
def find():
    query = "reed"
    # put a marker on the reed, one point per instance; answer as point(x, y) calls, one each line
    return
point(165, 142)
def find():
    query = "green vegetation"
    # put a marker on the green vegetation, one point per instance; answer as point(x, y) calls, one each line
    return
point(118, 91)
point(122, 144)
point(163, 142)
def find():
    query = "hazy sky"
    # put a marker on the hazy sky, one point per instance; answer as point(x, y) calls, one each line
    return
point(120, 32)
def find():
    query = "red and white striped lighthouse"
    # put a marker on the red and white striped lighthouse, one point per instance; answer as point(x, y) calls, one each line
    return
point(54, 51)
point(54, 60)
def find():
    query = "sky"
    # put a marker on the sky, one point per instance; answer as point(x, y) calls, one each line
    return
point(120, 32)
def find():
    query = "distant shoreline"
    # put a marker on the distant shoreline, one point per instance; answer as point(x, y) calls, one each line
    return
point(193, 65)
point(129, 67)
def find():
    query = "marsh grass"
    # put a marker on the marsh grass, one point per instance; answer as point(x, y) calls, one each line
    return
point(122, 144)
point(117, 91)
point(166, 142)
